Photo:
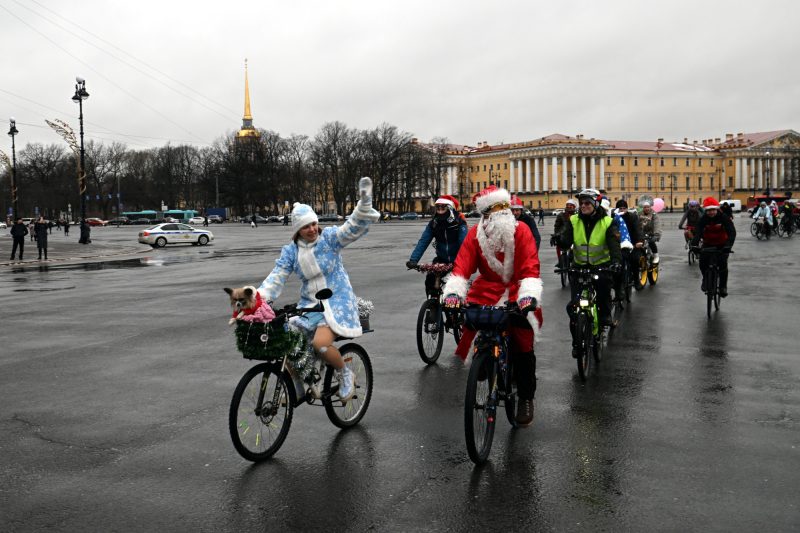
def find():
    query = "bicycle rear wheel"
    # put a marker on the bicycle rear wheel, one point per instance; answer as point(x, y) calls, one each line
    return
point(261, 410)
point(754, 229)
point(584, 330)
point(349, 413)
point(480, 407)
point(430, 334)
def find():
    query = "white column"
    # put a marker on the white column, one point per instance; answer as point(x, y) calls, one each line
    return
point(528, 174)
point(584, 178)
point(602, 172)
point(536, 184)
point(746, 173)
point(554, 173)
point(564, 185)
point(773, 172)
point(593, 172)
point(737, 171)
point(520, 182)
point(760, 173)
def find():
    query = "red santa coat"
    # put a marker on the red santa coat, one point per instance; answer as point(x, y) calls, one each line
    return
point(515, 269)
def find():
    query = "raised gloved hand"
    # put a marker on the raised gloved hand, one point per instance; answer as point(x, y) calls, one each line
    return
point(527, 304)
point(411, 265)
point(452, 301)
point(626, 245)
point(365, 191)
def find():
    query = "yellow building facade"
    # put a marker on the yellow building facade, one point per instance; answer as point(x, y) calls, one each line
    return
point(546, 172)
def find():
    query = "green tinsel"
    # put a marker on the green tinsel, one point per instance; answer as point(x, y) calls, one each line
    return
point(270, 342)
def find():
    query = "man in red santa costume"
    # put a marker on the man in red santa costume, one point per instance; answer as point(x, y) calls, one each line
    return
point(504, 254)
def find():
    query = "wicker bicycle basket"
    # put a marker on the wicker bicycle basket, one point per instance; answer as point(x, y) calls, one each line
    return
point(268, 341)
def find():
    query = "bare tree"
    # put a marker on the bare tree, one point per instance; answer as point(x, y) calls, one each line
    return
point(384, 146)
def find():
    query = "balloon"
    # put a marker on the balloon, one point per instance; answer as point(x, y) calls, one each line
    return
point(658, 205)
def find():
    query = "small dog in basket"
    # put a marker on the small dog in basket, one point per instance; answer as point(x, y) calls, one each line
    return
point(247, 305)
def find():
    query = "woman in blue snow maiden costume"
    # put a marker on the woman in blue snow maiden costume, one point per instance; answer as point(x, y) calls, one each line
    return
point(315, 256)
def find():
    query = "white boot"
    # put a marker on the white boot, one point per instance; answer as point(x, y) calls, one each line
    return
point(346, 389)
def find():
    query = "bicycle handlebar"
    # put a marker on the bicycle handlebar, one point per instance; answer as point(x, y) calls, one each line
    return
point(438, 268)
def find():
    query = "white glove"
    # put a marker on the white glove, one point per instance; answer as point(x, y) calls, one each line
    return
point(365, 191)
point(626, 245)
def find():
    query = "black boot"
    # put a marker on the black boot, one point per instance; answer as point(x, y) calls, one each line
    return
point(524, 416)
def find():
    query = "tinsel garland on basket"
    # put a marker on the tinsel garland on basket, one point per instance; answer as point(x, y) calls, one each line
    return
point(365, 307)
point(270, 342)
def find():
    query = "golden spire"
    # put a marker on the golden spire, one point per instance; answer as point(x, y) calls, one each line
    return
point(247, 115)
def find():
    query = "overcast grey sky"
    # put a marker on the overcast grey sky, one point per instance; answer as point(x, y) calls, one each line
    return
point(466, 70)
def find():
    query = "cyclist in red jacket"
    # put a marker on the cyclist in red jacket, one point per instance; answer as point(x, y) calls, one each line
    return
point(716, 231)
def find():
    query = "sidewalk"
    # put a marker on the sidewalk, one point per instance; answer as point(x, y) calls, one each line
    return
point(63, 248)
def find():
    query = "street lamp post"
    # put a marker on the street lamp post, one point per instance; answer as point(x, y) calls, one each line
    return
point(79, 96)
point(12, 132)
point(671, 190)
point(767, 172)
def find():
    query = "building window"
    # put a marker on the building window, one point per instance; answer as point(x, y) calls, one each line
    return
point(674, 161)
point(491, 167)
point(622, 161)
point(687, 161)
point(712, 162)
point(505, 184)
point(484, 167)
point(609, 182)
point(700, 183)
point(635, 182)
point(484, 184)
point(730, 182)
point(505, 165)
point(687, 182)
point(622, 182)
point(711, 186)
point(649, 182)
point(661, 163)
point(608, 161)
point(649, 161)
point(699, 162)
point(636, 161)
point(662, 180)
point(730, 162)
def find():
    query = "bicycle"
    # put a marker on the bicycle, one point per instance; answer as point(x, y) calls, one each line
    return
point(786, 227)
point(490, 381)
point(648, 271)
point(713, 297)
point(759, 229)
point(626, 285)
point(434, 319)
point(687, 235)
point(587, 319)
point(264, 400)
point(563, 262)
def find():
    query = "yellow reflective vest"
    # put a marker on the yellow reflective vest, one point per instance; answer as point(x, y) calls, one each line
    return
point(593, 251)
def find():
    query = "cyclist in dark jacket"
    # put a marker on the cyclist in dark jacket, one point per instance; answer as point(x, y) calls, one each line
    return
point(520, 214)
point(448, 228)
point(717, 231)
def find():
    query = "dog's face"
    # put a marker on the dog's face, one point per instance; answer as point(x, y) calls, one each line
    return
point(242, 298)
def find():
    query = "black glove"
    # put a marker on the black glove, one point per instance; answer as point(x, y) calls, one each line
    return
point(527, 304)
point(615, 267)
point(553, 241)
point(411, 265)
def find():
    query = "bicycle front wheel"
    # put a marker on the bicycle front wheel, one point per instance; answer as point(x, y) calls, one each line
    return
point(641, 275)
point(480, 407)
point(584, 330)
point(261, 412)
point(711, 289)
point(754, 229)
point(430, 334)
point(349, 413)
point(652, 274)
point(563, 266)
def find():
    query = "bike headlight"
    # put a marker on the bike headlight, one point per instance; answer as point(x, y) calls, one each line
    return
point(584, 303)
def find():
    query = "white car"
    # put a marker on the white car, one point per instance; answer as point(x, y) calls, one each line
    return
point(3, 225)
point(161, 235)
point(196, 220)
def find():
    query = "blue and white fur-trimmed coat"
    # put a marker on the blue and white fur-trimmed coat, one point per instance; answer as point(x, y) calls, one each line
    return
point(319, 265)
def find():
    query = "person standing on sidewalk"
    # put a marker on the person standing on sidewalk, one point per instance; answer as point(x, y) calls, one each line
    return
point(66, 228)
point(40, 228)
point(18, 232)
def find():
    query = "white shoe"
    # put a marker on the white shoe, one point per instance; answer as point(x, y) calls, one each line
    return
point(346, 388)
point(655, 259)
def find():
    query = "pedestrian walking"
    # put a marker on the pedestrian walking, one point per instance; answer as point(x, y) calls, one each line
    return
point(66, 228)
point(40, 228)
point(205, 221)
point(285, 219)
point(86, 232)
point(30, 231)
point(50, 226)
point(253, 222)
point(541, 215)
point(18, 232)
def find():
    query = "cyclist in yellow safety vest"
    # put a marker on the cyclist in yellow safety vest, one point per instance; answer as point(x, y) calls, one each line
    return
point(594, 238)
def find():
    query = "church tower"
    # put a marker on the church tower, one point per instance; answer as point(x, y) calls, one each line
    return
point(248, 134)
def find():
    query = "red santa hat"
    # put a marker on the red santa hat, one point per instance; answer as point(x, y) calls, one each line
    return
point(516, 203)
point(490, 196)
point(710, 203)
point(446, 199)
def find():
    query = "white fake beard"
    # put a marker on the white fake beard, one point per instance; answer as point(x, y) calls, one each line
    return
point(496, 234)
point(499, 228)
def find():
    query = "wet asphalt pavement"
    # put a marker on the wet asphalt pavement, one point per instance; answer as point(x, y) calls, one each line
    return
point(116, 375)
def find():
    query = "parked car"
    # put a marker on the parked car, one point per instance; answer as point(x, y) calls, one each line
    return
point(557, 212)
point(3, 225)
point(215, 219)
point(196, 220)
point(330, 217)
point(473, 214)
point(119, 221)
point(171, 220)
point(259, 219)
point(409, 216)
point(96, 222)
point(141, 221)
point(161, 235)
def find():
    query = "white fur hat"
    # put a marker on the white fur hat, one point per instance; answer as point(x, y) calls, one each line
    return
point(302, 214)
point(489, 196)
